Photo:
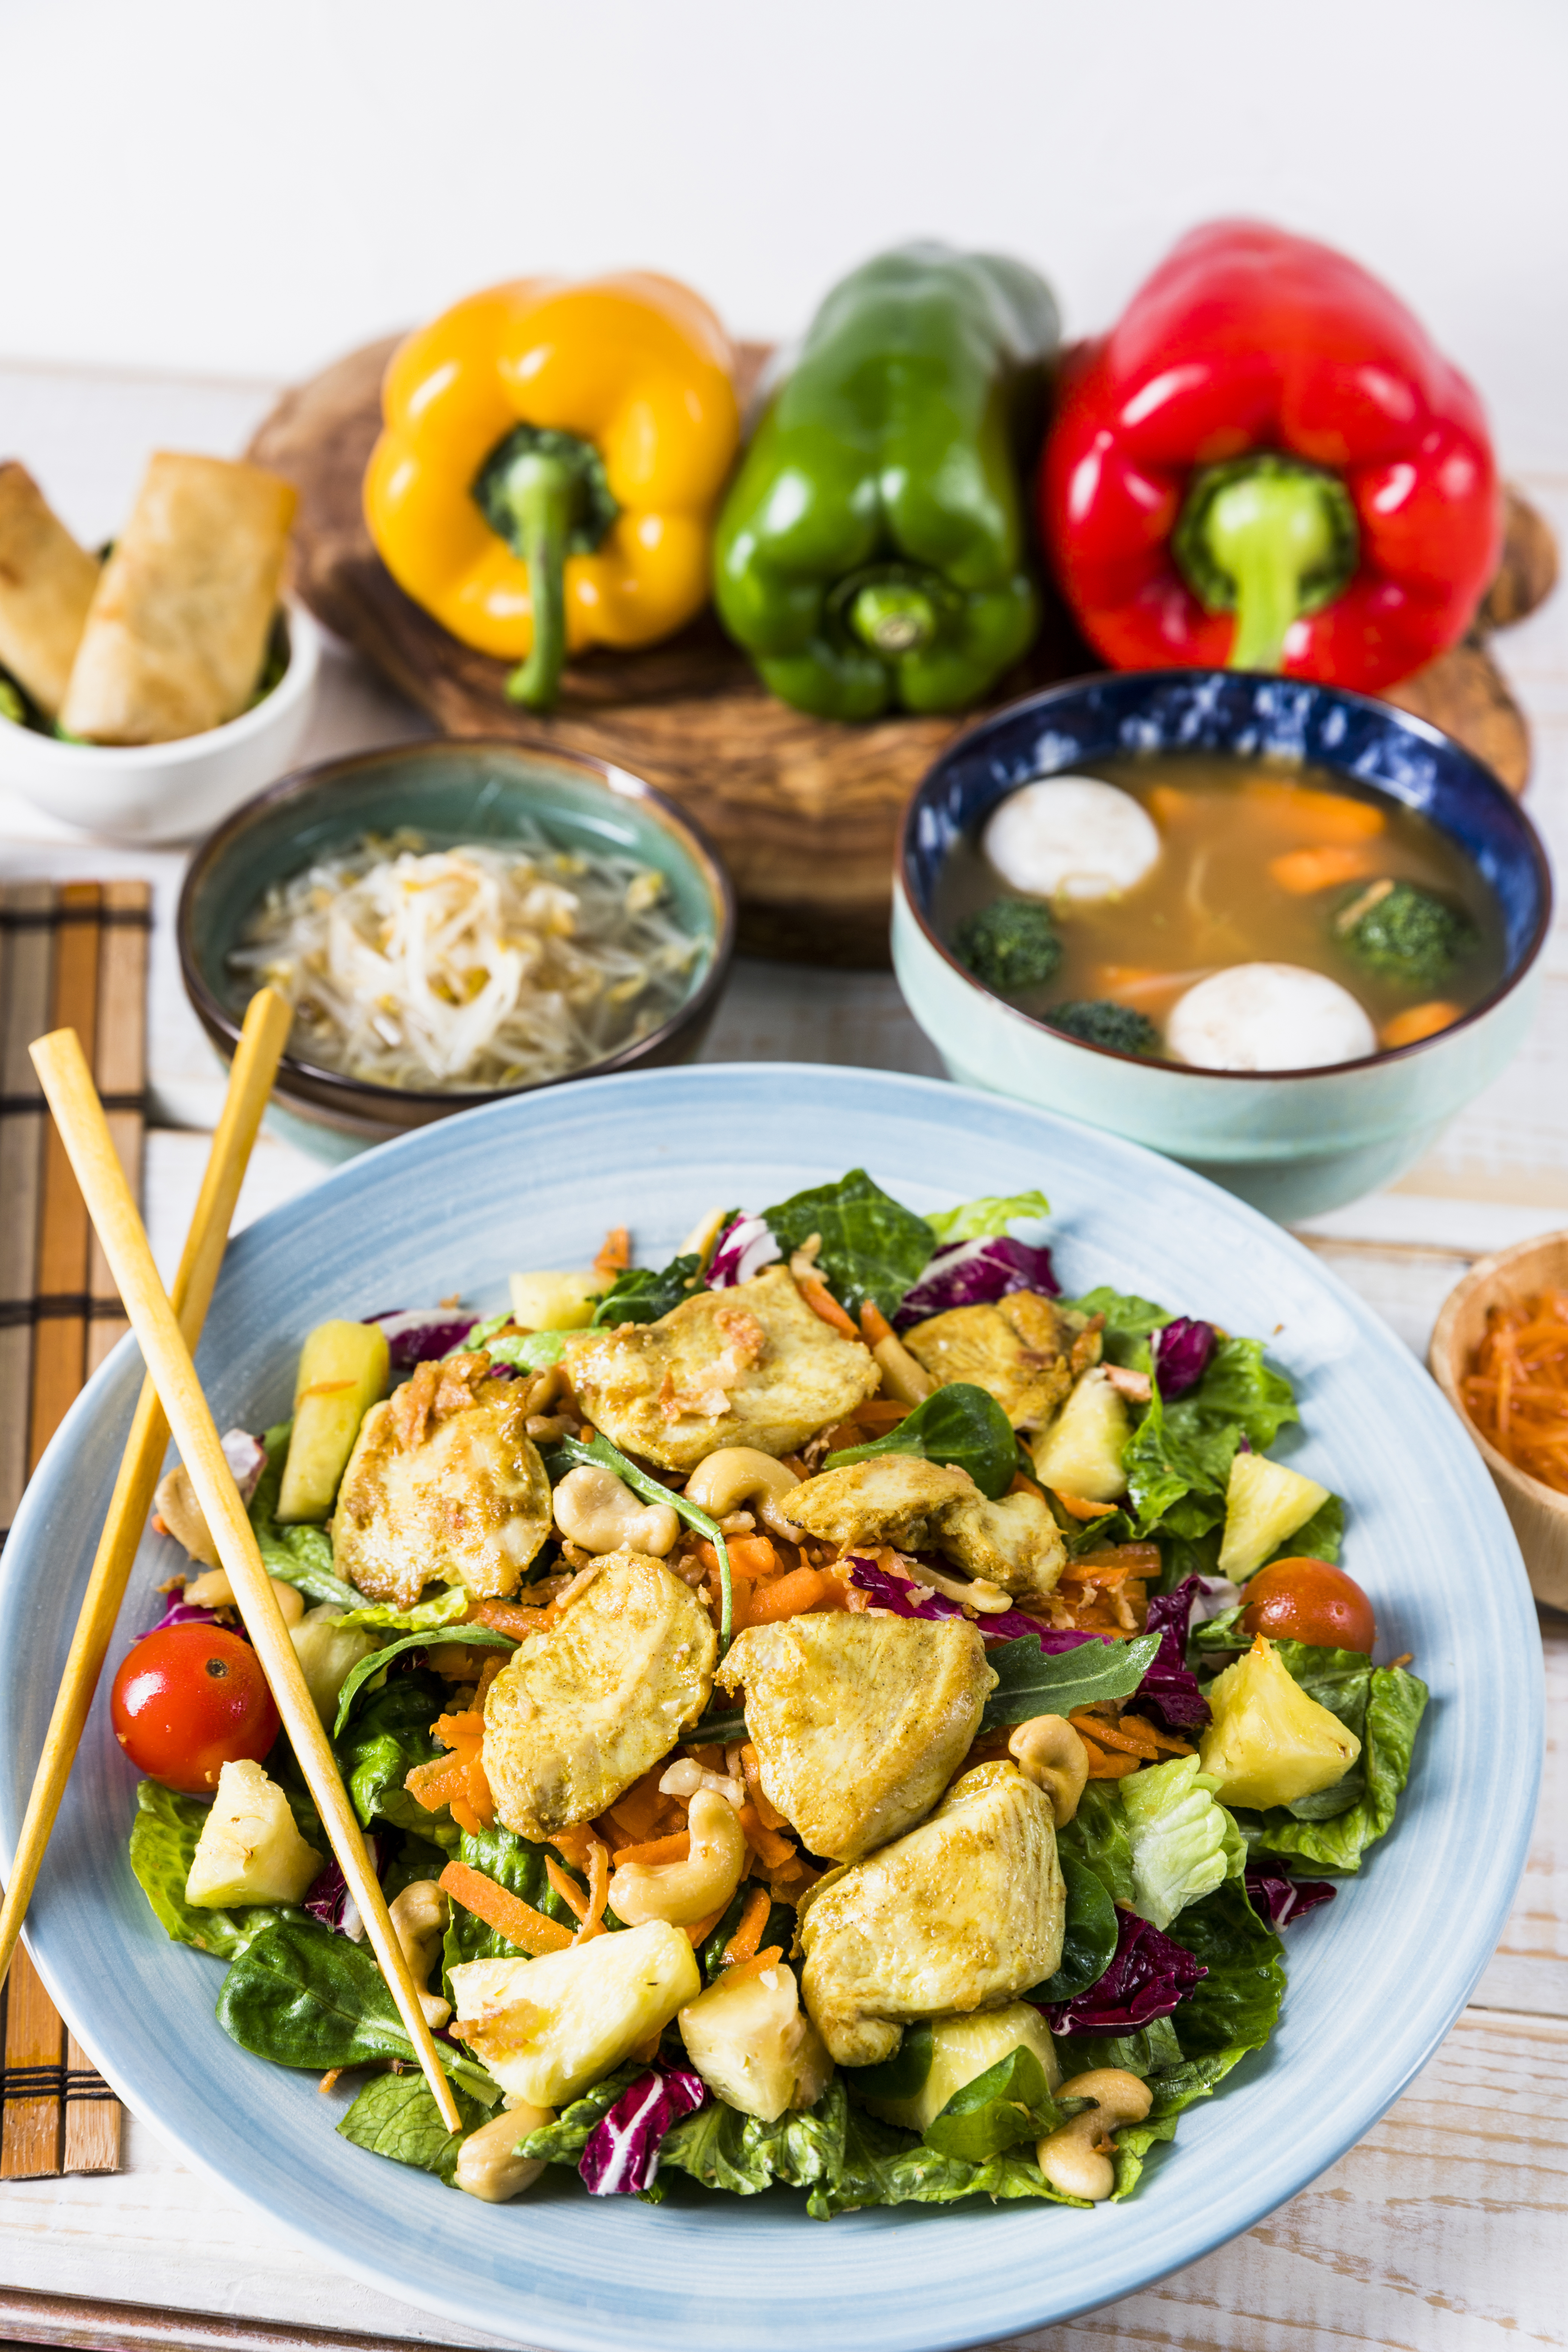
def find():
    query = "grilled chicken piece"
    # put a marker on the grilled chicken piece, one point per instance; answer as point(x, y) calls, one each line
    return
point(858, 1721)
point(585, 1708)
point(1020, 1348)
point(751, 1366)
point(918, 1506)
point(1015, 1542)
point(965, 1912)
point(443, 1481)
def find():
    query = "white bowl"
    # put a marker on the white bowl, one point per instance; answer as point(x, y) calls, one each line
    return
point(170, 791)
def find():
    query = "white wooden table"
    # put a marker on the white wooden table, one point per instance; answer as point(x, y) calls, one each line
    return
point(1444, 2230)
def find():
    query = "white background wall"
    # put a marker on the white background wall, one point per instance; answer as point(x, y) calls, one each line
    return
point(246, 190)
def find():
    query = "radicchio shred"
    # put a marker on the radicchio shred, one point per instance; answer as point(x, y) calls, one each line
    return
point(976, 1273)
point(326, 1898)
point(746, 1245)
point(1169, 1688)
point(1182, 1351)
point(1148, 1974)
point(1281, 1899)
point(414, 1335)
point(621, 2157)
point(917, 1600)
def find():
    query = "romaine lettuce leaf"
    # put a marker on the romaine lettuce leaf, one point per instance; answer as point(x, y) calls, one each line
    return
point(873, 1246)
point(975, 1220)
point(300, 1556)
point(1322, 1537)
point(163, 1843)
point(447, 1606)
point(529, 1351)
point(1180, 1838)
point(1128, 1321)
point(395, 2116)
point(1395, 1703)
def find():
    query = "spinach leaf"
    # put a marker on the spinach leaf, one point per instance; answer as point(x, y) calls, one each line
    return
point(1033, 1683)
point(395, 2116)
point(300, 1556)
point(643, 1293)
point(562, 2141)
point(301, 1995)
point(960, 1424)
point(872, 1247)
point(1088, 1937)
point(975, 1221)
point(1008, 2103)
point(389, 1736)
point(1098, 1837)
point(163, 1843)
point(479, 1637)
point(418, 1856)
point(903, 2075)
point(1396, 1702)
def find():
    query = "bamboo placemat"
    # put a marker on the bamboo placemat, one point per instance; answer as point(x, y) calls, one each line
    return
point(72, 955)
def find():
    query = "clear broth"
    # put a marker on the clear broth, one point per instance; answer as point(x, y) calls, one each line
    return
point(1216, 895)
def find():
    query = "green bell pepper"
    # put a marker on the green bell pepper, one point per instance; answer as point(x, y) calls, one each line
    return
point(871, 553)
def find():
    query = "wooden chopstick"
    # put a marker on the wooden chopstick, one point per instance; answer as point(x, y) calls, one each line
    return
point(67, 1086)
point(261, 1041)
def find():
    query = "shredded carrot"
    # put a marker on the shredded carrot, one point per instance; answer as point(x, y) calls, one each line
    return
point(1516, 1391)
point(1418, 1021)
point(644, 1811)
point(764, 1843)
point(821, 1301)
point(615, 1254)
point(1303, 871)
point(1022, 1485)
point(748, 1934)
point(771, 1818)
point(791, 1595)
point(567, 1888)
point(1314, 815)
point(1078, 1507)
point(700, 1929)
point(512, 1617)
point(1105, 1763)
point(750, 1556)
point(656, 1850)
point(878, 1415)
point(599, 1890)
point(572, 1844)
point(874, 1324)
point(435, 1784)
point(758, 1961)
point(518, 1921)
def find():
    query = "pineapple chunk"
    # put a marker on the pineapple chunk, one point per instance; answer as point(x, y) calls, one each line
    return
point(548, 2028)
point(1080, 1453)
point(555, 1302)
point(1269, 1741)
point(1264, 1503)
point(328, 1653)
point(249, 1850)
point(751, 2041)
point(343, 1371)
point(964, 2047)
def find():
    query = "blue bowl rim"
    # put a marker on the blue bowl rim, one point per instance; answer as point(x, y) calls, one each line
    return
point(1422, 728)
point(372, 1099)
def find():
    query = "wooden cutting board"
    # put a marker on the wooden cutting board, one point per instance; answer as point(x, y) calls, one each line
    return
point(804, 810)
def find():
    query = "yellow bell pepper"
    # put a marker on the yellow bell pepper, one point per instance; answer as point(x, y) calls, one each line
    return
point(549, 464)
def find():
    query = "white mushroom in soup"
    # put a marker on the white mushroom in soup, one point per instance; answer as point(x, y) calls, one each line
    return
point(1073, 837)
point(1269, 1016)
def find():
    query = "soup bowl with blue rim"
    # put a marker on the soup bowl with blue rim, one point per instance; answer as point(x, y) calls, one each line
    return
point(1294, 1142)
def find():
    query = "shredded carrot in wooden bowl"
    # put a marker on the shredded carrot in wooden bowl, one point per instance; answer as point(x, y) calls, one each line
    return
point(1516, 1391)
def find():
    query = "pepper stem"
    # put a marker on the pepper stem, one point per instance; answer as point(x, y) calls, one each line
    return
point(541, 493)
point(1269, 539)
point(894, 617)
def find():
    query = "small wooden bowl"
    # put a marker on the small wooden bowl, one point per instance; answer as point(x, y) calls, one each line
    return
point(1539, 1513)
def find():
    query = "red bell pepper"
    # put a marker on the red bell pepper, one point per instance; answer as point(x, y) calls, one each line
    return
point(1267, 464)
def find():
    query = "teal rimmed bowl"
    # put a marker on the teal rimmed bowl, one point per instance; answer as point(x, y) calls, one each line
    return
point(451, 792)
point(1294, 1142)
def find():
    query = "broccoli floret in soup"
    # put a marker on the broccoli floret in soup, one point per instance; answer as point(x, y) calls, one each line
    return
point(1011, 944)
point(1402, 932)
point(1097, 1021)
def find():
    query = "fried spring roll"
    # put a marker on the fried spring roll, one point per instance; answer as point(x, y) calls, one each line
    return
point(47, 583)
point(177, 631)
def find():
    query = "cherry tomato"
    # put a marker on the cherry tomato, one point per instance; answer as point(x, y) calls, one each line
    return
point(190, 1699)
point(1308, 1601)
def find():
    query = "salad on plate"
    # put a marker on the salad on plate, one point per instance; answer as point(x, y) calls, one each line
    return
point(829, 1712)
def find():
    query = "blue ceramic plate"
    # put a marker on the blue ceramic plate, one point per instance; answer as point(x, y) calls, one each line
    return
point(1376, 1978)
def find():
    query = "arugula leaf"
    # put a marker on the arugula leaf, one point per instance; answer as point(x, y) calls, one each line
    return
point(163, 1844)
point(960, 1424)
point(1097, 1836)
point(517, 1866)
point(300, 1556)
point(562, 2141)
point(449, 1605)
point(478, 1637)
point(531, 1352)
point(1010, 2102)
point(643, 1293)
point(1035, 1682)
point(301, 1995)
point(395, 2116)
point(1088, 1935)
point(975, 1221)
point(873, 1246)
point(1396, 1702)
point(389, 1736)
point(568, 1452)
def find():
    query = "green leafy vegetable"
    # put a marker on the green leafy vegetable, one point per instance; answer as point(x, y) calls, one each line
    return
point(1088, 1935)
point(477, 1637)
point(1100, 1021)
point(1394, 1702)
point(779, 1928)
point(517, 1866)
point(1011, 944)
point(567, 1453)
point(1181, 1846)
point(1128, 1321)
point(1320, 1539)
point(643, 1293)
point(1008, 2103)
point(1097, 1836)
point(901, 2076)
point(450, 1604)
point(416, 1857)
point(391, 1734)
point(297, 1556)
point(872, 1247)
point(301, 1995)
point(960, 1424)
point(531, 1352)
point(1033, 1683)
point(395, 2116)
point(975, 1220)
point(1400, 932)
point(562, 2141)
point(163, 1844)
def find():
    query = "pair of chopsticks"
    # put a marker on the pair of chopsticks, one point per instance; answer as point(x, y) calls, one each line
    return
point(171, 1400)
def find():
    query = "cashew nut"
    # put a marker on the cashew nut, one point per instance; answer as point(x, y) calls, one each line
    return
point(418, 1918)
point(681, 1892)
point(214, 1591)
point(1055, 1758)
point(976, 1592)
point(1076, 2157)
point(176, 1505)
point(487, 2167)
point(595, 1510)
point(741, 1474)
point(902, 1376)
point(684, 1779)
